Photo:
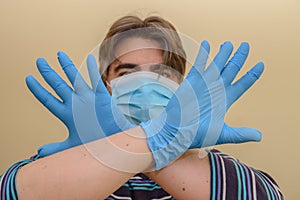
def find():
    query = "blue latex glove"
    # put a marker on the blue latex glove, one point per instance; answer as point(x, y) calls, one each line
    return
point(88, 113)
point(194, 116)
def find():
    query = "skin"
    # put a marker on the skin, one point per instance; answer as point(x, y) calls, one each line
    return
point(136, 51)
point(76, 174)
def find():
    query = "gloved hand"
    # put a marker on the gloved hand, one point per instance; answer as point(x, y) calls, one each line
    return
point(194, 116)
point(88, 113)
point(233, 91)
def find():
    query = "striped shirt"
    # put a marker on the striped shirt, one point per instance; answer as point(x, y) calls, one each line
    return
point(230, 180)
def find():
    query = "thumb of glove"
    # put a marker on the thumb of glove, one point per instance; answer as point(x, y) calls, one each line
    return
point(52, 148)
point(239, 135)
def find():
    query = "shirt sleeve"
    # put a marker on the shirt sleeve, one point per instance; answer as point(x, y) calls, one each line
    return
point(231, 179)
point(7, 179)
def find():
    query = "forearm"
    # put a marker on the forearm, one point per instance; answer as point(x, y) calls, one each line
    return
point(216, 176)
point(79, 173)
point(186, 178)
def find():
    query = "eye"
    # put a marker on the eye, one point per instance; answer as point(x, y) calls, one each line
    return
point(124, 68)
point(131, 71)
point(171, 74)
point(125, 72)
point(122, 72)
point(166, 74)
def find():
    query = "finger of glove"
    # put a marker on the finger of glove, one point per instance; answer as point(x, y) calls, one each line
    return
point(101, 89)
point(202, 57)
point(244, 83)
point(72, 73)
point(54, 80)
point(93, 72)
point(195, 75)
point(216, 66)
point(235, 64)
point(239, 135)
point(46, 98)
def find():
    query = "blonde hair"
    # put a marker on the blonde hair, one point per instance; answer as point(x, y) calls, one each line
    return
point(154, 28)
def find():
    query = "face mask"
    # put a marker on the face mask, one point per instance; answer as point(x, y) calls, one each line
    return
point(143, 95)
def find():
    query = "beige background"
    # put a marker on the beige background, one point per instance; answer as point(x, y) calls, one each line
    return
point(31, 29)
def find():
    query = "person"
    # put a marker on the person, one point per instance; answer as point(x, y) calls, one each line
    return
point(87, 165)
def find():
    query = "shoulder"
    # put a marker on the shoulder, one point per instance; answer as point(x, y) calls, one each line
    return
point(234, 179)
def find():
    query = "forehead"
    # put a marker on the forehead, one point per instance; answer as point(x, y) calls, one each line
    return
point(139, 51)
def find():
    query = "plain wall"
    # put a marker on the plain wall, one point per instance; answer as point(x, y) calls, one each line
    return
point(32, 29)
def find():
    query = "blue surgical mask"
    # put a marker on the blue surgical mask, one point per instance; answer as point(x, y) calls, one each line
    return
point(142, 95)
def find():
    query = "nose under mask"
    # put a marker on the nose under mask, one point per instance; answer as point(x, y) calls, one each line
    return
point(143, 95)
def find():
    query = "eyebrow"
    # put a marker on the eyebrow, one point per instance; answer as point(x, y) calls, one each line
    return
point(125, 66)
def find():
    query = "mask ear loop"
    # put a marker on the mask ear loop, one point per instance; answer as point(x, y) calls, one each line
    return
point(107, 83)
point(108, 87)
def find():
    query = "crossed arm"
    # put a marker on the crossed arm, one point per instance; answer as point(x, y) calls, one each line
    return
point(77, 174)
